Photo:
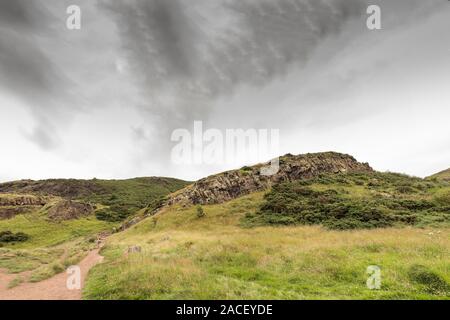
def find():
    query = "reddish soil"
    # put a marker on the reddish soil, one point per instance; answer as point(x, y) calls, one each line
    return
point(51, 289)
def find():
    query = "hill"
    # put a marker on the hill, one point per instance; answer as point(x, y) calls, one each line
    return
point(443, 175)
point(49, 224)
point(306, 236)
point(308, 232)
point(184, 256)
point(120, 199)
point(232, 184)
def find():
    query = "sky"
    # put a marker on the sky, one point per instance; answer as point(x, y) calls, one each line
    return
point(104, 100)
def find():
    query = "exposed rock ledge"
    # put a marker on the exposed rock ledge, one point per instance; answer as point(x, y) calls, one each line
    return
point(69, 210)
point(232, 184)
point(21, 200)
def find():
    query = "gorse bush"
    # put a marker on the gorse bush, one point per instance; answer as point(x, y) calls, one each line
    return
point(200, 212)
point(113, 214)
point(349, 202)
point(432, 281)
point(291, 204)
point(8, 236)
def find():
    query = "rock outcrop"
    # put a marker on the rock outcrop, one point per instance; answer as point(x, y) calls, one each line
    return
point(11, 212)
point(65, 188)
point(21, 200)
point(12, 205)
point(232, 184)
point(68, 210)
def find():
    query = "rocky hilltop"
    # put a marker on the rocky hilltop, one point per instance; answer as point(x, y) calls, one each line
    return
point(232, 184)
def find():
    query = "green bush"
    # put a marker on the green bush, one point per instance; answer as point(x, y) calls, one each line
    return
point(385, 200)
point(405, 189)
point(295, 204)
point(432, 282)
point(112, 214)
point(156, 204)
point(200, 212)
point(8, 236)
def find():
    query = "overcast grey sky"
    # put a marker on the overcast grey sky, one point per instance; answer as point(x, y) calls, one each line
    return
point(102, 101)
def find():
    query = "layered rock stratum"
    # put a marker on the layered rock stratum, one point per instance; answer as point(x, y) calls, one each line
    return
point(232, 184)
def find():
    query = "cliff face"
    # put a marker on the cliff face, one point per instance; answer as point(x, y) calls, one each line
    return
point(12, 205)
point(232, 184)
point(21, 200)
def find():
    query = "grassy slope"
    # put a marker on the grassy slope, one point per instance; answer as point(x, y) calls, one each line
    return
point(54, 245)
point(443, 175)
point(46, 233)
point(215, 257)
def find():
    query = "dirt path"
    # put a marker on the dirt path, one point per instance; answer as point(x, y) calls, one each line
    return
point(51, 289)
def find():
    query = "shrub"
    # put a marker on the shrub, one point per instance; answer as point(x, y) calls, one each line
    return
point(405, 189)
point(293, 203)
point(200, 212)
point(113, 197)
point(156, 204)
point(112, 214)
point(381, 200)
point(432, 282)
point(8, 236)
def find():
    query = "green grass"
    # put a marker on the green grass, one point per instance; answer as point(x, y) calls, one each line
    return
point(44, 252)
point(16, 261)
point(215, 257)
point(46, 233)
point(15, 282)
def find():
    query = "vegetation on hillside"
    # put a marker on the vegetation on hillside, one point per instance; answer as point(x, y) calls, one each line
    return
point(64, 217)
point(46, 246)
point(119, 198)
point(184, 257)
point(356, 200)
point(443, 175)
point(266, 245)
point(8, 236)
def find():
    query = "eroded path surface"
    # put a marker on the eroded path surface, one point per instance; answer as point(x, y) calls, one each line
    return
point(54, 288)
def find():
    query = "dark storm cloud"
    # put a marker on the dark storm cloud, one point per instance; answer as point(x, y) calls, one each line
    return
point(184, 55)
point(23, 15)
point(26, 71)
point(278, 35)
point(177, 44)
point(24, 68)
